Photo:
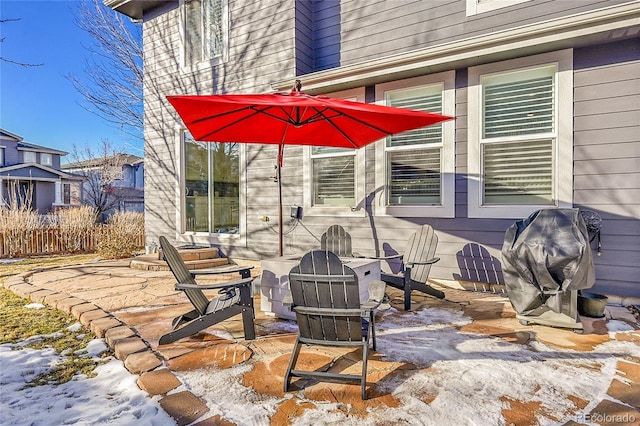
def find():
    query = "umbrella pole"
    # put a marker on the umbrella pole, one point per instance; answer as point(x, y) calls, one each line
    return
point(278, 178)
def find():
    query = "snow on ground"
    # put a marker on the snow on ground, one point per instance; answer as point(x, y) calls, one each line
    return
point(466, 376)
point(470, 376)
point(112, 397)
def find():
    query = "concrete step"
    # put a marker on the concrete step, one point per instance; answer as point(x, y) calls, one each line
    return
point(151, 262)
point(196, 253)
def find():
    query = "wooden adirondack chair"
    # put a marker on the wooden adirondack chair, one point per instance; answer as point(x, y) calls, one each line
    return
point(416, 265)
point(337, 240)
point(326, 300)
point(234, 298)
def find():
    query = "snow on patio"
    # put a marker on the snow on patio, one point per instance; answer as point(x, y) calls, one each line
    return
point(465, 360)
point(454, 378)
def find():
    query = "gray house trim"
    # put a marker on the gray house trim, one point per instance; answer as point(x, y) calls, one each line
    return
point(10, 135)
point(25, 169)
point(22, 146)
point(555, 34)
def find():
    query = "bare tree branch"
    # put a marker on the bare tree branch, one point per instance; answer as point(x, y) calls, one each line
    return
point(3, 59)
point(112, 86)
point(101, 169)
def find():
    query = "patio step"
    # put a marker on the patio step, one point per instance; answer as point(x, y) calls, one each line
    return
point(197, 258)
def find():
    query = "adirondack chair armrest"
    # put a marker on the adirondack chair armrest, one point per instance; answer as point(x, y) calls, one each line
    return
point(395, 256)
point(426, 262)
point(187, 286)
point(245, 271)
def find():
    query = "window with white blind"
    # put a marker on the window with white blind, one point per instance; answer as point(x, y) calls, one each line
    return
point(204, 29)
point(334, 177)
point(416, 168)
point(520, 137)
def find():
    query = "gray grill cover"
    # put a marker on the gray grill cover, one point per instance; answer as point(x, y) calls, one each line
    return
point(545, 256)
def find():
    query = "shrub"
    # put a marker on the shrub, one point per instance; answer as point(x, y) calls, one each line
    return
point(119, 238)
point(75, 224)
point(15, 222)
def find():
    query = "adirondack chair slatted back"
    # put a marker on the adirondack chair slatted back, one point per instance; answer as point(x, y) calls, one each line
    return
point(182, 275)
point(322, 281)
point(420, 248)
point(337, 240)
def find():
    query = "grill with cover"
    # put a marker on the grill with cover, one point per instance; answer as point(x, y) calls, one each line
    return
point(546, 259)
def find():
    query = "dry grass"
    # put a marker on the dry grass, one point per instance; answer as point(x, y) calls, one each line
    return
point(121, 241)
point(46, 327)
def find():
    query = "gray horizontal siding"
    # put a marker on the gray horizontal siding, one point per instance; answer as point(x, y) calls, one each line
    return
point(386, 27)
point(607, 158)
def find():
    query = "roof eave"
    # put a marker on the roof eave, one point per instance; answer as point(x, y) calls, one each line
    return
point(135, 9)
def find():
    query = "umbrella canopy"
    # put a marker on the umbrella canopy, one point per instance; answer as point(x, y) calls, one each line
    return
point(294, 119)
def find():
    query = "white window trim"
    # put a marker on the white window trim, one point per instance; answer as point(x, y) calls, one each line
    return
point(239, 239)
point(447, 207)
point(357, 94)
point(475, 7)
point(24, 154)
point(208, 63)
point(563, 154)
point(44, 155)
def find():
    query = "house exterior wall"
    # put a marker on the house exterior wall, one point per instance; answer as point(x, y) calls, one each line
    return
point(382, 28)
point(45, 196)
point(607, 155)
point(261, 50)
point(10, 152)
point(271, 41)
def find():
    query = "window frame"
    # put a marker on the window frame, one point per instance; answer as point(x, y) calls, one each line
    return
point(44, 155)
point(237, 239)
point(562, 135)
point(358, 95)
point(63, 194)
point(203, 64)
point(24, 156)
point(446, 208)
point(476, 7)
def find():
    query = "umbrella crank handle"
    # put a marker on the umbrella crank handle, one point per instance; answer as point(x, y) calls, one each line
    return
point(276, 178)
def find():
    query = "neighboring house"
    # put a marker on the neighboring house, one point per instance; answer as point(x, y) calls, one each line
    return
point(546, 96)
point(30, 174)
point(124, 186)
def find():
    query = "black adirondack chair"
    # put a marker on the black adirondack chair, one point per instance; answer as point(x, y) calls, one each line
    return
point(417, 259)
point(337, 240)
point(326, 300)
point(234, 298)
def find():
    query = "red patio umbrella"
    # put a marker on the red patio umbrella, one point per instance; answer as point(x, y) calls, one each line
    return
point(294, 119)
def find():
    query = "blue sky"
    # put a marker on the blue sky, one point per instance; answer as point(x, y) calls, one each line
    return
point(39, 103)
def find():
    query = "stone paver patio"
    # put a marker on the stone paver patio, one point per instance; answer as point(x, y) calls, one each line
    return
point(132, 308)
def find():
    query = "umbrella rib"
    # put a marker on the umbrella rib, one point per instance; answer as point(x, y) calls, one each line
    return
point(367, 124)
point(212, 117)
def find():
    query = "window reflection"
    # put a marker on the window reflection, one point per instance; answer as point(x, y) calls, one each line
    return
point(211, 190)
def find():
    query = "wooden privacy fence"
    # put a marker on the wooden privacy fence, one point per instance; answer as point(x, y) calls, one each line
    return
point(46, 241)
